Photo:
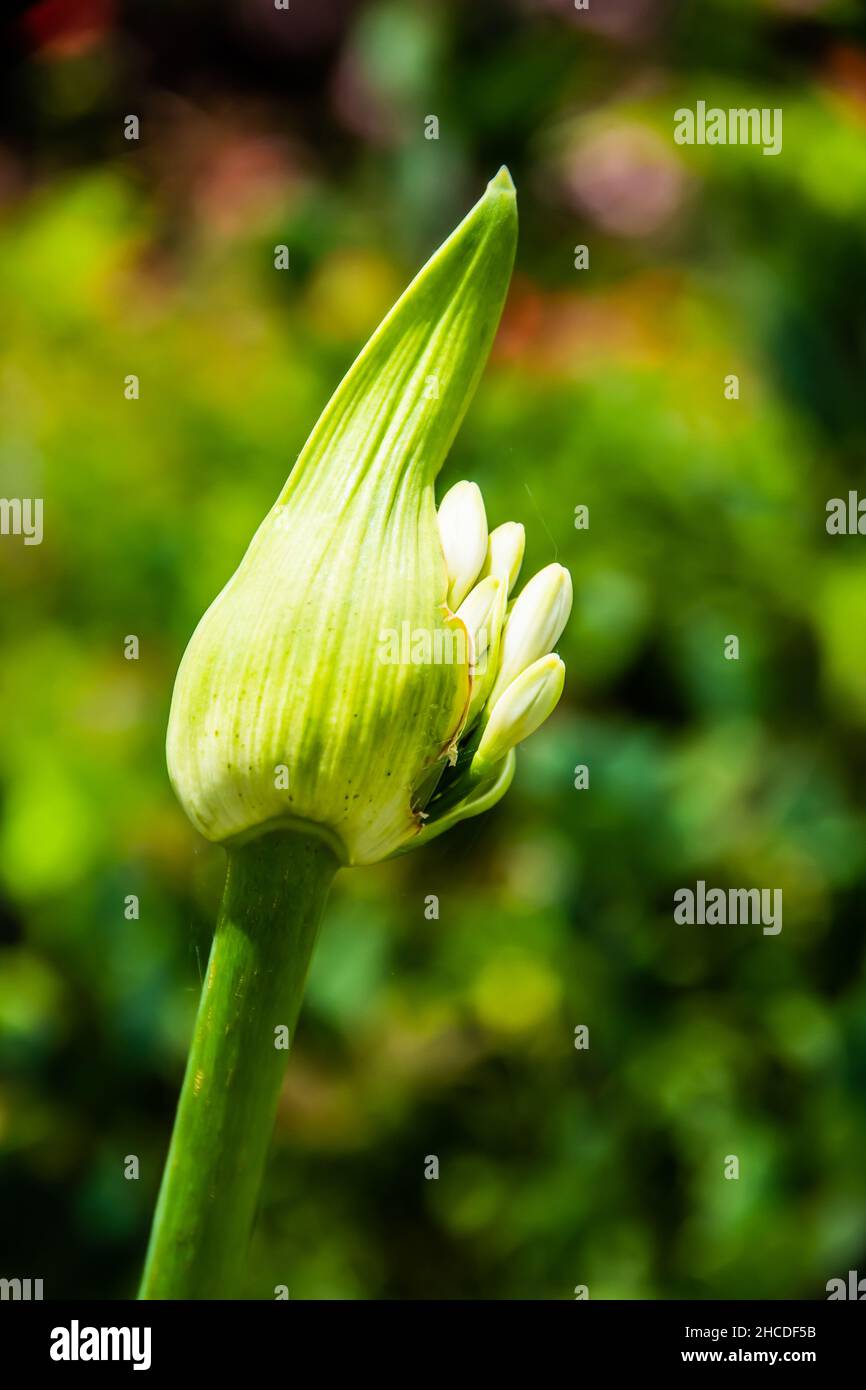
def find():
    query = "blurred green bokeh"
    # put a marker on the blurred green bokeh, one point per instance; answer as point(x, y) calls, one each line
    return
point(451, 1037)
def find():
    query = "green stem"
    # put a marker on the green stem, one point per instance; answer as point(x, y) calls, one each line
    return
point(274, 895)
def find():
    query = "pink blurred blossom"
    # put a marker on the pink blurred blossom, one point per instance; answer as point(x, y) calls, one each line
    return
point(627, 178)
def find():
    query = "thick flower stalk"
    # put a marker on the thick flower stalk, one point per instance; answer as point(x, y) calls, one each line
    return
point(358, 687)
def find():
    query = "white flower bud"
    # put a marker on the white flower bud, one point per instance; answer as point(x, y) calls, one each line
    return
point(505, 546)
point(477, 611)
point(534, 625)
point(519, 711)
point(463, 532)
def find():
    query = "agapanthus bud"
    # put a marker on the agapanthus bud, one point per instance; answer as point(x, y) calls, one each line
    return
point(463, 531)
point(520, 709)
point(534, 624)
point(284, 712)
point(332, 707)
point(505, 546)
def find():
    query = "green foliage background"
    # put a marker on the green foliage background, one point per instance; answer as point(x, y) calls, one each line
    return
point(707, 517)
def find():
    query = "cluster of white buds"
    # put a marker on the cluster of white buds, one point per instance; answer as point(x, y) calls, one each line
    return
point(516, 678)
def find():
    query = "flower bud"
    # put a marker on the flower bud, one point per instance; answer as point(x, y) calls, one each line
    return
point(284, 712)
point(534, 624)
point(490, 594)
point(463, 532)
point(519, 711)
point(505, 546)
point(477, 612)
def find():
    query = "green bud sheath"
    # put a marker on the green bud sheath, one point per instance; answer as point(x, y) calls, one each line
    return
point(284, 713)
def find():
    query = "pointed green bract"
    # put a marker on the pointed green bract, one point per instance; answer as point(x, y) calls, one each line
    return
point(290, 707)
